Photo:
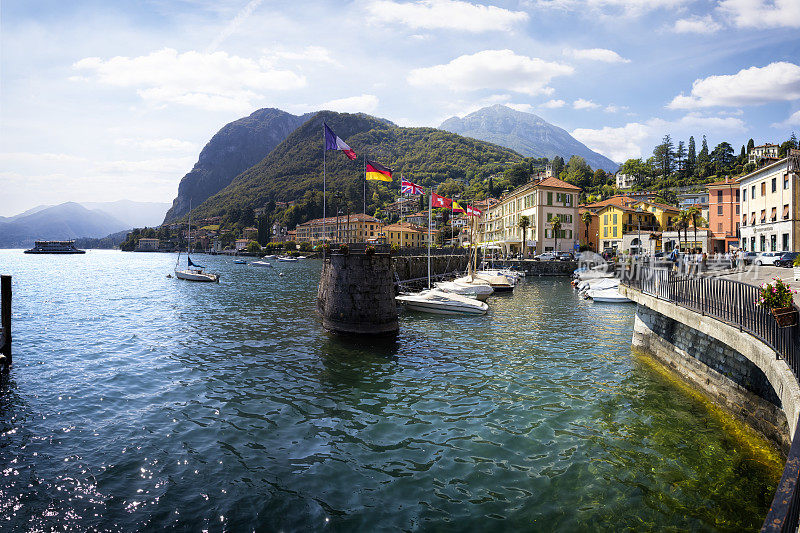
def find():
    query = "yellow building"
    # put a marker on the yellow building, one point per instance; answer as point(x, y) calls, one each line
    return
point(405, 234)
point(664, 214)
point(618, 220)
point(353, 228)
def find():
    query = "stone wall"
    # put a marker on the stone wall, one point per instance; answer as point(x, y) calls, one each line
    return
point(725, 374)
point(356, 294)
point(416, 267)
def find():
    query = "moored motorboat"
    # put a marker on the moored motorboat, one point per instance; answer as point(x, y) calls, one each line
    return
point(443, 303)
point(478, 291)
point(261, 264)
point(611, 295)
point(269, 257)
point(287, 259)
point(239, 262)
point(498, 283)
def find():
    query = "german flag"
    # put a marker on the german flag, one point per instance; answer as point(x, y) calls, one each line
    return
point(376, 171)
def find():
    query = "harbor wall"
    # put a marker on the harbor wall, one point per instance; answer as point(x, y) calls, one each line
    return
point(416, 267)
point(541, 268)
point(738, 371)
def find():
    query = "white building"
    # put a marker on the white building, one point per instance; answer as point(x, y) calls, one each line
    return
point(770, 206)
point(625, 181)
point(765, 151)
point(147, 245)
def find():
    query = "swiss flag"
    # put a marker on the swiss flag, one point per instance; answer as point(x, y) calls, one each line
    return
point(472, 212)
point(440, 201)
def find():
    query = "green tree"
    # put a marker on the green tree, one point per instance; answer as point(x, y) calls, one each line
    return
point(586, 217)
point(682, 223)
point(694, 216)
point(703, 160)
point(558, 165)
point(691, 158)
point(253, 247)
point(722, 158)
point(662, 154)
point(577, 172)
point(680, 158)
point(637, 168)
point(524, 223)
point(750, 145)
point(555, 223)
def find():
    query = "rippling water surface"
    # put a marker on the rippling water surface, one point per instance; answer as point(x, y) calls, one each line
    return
point(138, 402)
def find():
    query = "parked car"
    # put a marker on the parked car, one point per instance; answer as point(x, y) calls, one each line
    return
point(750, 258)
point(547, 256)
point(786, 259)
point(564, 256)
point(767, 258)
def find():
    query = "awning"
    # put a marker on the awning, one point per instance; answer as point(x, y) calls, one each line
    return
point(774, 215)
point(753, 219)
point(513, 240)
point(786, 211)
point(763, 215)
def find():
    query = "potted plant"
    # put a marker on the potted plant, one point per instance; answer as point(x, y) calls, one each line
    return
point(796, 268)
point(343, 249)
point(369, 250)
point(778, 298)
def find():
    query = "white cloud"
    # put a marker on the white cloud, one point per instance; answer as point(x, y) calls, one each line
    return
point(611, 108)
point(445, 14)
point(636, 139)
point(553, 104)
point(213, 81)
point(366, 103)
point(580, 103)
point(629, 8)
point(161, 145)
point(762, 13)
point(525, 108)
point(311, 54)
point(756, 85)
point(492, 69)
point(597, 54)
point(792, 120)
point(696, 24)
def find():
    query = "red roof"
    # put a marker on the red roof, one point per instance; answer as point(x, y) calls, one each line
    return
point(555, 182)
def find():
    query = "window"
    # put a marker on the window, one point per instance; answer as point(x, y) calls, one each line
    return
point(785, 211)
point(753, 192)
point(737, 209)
point(549, 198)
point(763, 215)
point(763, 188)
point(763, 242)
point(773, 242)
point(719, 209)
point(744, 197)
point(719, 226)
point(774, 184)
point(719, 196)
point(615, 221)
point(786, 181)
point(785, 242)
point(605, 231)
point(752, 244)
point(737, 194)
point(605, 220)
point(615, 231)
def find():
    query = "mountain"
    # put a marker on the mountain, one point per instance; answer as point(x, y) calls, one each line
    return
point(525, 133)
point(61, 222)
point(232, 150)
point(133, 214)
point(293, 170)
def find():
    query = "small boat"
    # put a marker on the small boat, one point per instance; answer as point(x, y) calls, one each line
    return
point(611, 295)
point(478, 289)
point(269, 257)
point(498, 283)
point(442, 303)
point(287, 259)
point(193, 271)
point(597, 284)
point(239, 262)
point(261, 264)
point(301, 257)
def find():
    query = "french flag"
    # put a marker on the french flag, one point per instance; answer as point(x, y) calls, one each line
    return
point(333, 142)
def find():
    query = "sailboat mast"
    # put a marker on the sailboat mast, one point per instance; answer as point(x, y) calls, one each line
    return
point(430, 211)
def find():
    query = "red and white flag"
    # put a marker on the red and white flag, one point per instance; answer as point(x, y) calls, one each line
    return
point(440, 201)
point(472, 212)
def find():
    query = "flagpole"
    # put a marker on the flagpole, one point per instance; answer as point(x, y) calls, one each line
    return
point(430, 210)
point(365, 183)
point(324, 187)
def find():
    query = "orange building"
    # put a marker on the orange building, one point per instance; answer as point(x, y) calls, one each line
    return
point(723, 215)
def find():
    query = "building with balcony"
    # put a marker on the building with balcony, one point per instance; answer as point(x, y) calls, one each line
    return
point(770, 206)
point(251, 234)
point(353, 228)
point(723, 215)
point(147, 245)
point(764, 153)
point(625, 181)
point(540, 200)
point(404, 234)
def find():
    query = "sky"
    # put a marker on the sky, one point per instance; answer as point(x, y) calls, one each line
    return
point(101, 101)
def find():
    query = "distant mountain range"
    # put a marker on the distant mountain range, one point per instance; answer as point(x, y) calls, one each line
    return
point(236, 147)
point(525, 133)
point(71, 220)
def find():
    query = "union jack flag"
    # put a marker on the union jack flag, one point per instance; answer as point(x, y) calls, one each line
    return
point(406, 187)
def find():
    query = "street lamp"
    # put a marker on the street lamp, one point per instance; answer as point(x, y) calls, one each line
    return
point(639, 212)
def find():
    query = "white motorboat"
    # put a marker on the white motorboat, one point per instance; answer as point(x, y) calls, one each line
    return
point(479, 291)
point(443, 303)
point(596, 272)
point(261, 264)
point(499, 283)
point(193, 271)
point(301, 257)
point(510, 275)
point(287, 259)
point(610, 295)
point(598, 284)
point(269, 257)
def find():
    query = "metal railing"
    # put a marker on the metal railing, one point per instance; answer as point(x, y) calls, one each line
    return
point(734, 302)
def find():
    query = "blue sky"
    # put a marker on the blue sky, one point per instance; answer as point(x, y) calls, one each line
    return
point(109, 100)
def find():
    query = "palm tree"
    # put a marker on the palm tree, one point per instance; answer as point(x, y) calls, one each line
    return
point(682, 223)
point(555, 223)
point(587, 220)
point(694, 216)
point(524, 222)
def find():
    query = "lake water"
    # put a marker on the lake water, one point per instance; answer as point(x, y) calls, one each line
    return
point(139, 402)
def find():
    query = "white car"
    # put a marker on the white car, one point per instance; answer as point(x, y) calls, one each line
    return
point(767, 258)
point(547, 256)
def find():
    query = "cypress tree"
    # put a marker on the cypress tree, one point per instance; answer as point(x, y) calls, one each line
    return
point(691, 158)
point(750, 145)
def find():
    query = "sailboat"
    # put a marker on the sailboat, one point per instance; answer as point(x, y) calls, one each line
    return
point(193, 271)
point(438, 301)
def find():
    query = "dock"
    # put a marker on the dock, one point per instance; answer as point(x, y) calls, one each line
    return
point(5, 322)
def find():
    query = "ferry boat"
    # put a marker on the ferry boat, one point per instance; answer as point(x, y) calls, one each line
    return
point(54, 247)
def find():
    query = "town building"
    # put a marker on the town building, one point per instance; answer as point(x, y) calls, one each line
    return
point(687, 240)
point(279, 233)
point(241, 244)
point(403, 206)
point(354, 228)
point(764, 153)
point(291, 235)
point(418, 219)
point(770, 206)
point(625, 224)
point(405, 234)
point(251, 234)
point(146, 244)
point(723, 215)
point(540, 200)
point(625, 181)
